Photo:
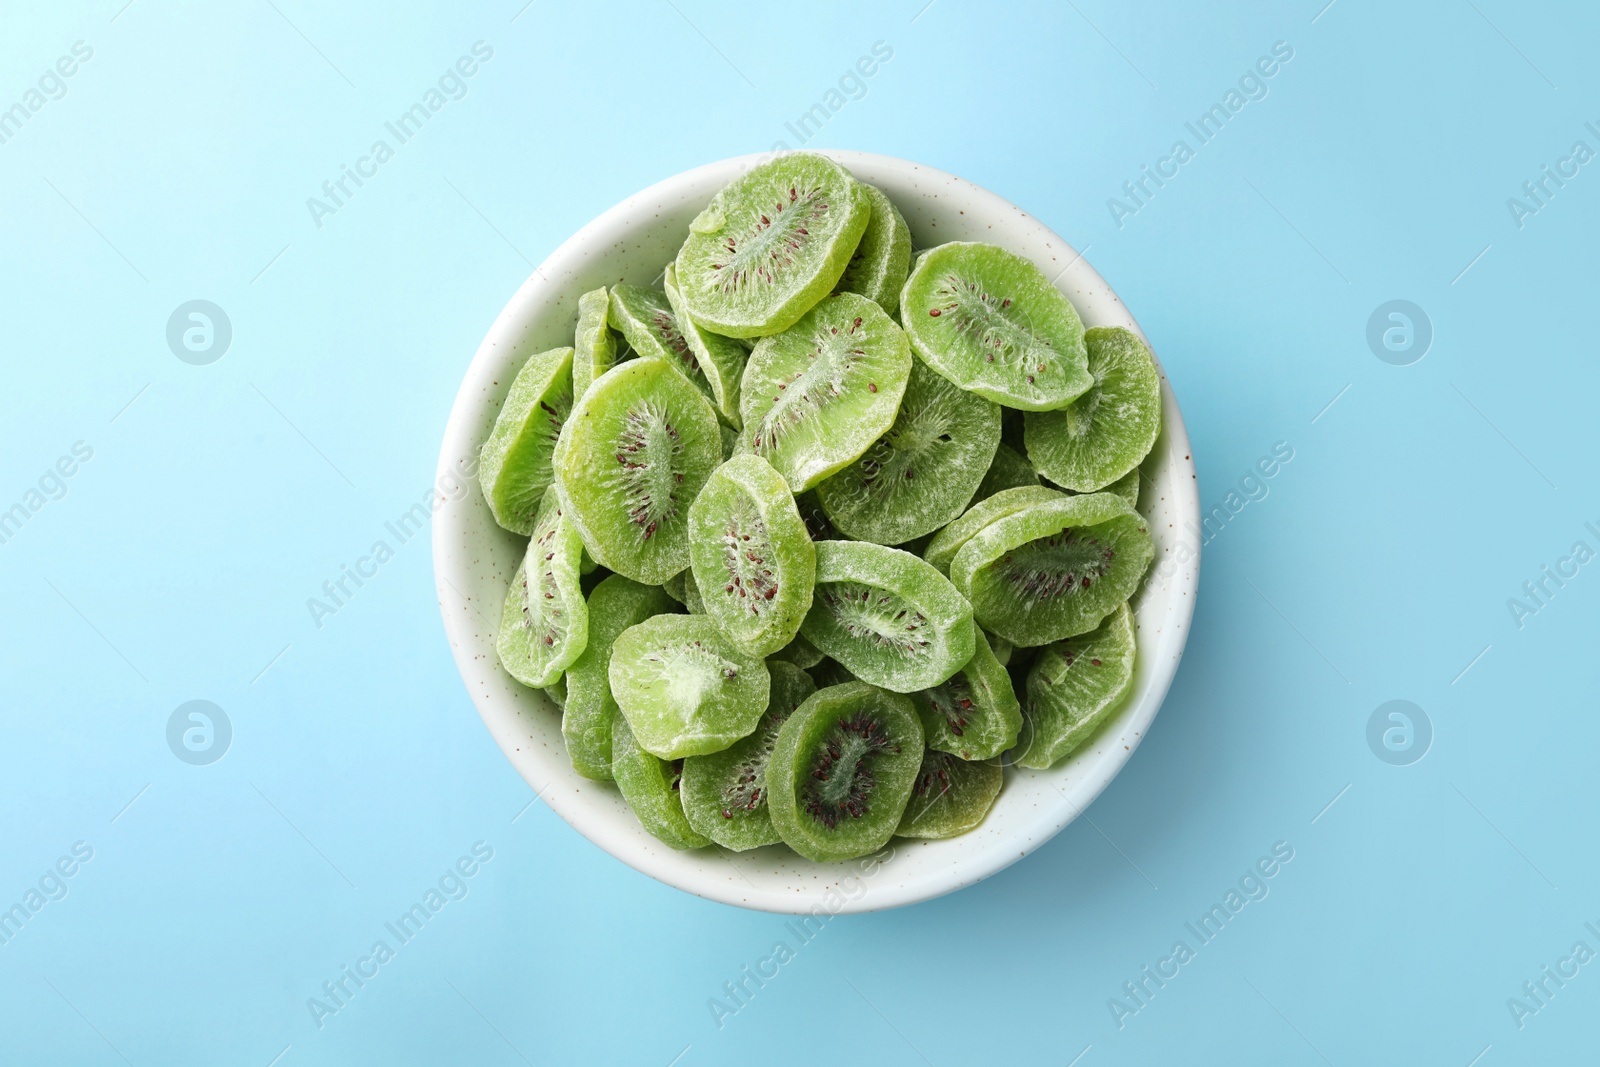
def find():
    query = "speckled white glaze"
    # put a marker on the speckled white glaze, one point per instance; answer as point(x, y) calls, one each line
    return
point(474, 559)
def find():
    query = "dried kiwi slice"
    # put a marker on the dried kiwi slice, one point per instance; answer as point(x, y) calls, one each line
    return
point(800, 652)
point(817, 395)
point(771, 244)
point(719, 360)
point(1074, 686)
point(651, 788)
point(1106, 432)
point(948, 541)
point(1009, 470)
point(544, 625)
point(684, 688)
point(749, 554)
point(645, 317)
point(841, 771)
point(828, 672)
point(973, 714)
point(1001, 648)
point(595, 346)
point(888, 617)
point(557, 691)
point(682, 588)
point(1127, 487)
point(882, 260)
point(816, 520)
point(632, 456)
point(615, 604)
point(1055, 570)
point(991, 322)
point(724, 794)
point(950, 796)
point(921, 474)
point(514, 466)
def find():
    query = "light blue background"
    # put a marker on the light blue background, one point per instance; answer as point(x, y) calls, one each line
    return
point(178, 564)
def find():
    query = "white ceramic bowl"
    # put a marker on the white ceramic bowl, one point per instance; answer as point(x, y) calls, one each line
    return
point(474, 560)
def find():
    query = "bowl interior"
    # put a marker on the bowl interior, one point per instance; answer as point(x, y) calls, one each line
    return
point(474, 560)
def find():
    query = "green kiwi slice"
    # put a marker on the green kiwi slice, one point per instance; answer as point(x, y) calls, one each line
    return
point(1055, 570)
point(651, 786)
point(724, 794)
point(595, 346)
point(749, 555)
point(816, 520)
point(921, 474)
point(882, 261)
point(816, 396)
point(682, 588)
point(800, 652)
point(973, 714)
point(1009, 470)
point(1001, 648)
point(841, 771)
point(1127, 487)
point(614, 604)
point(948, 541)
point(684, 688)
point(1074, 686)
point(514, 465)
point(771, 244)
point(990, 321)
point(828, 672)
point(1106, 432)
point(632, 456)
point(544, 625)
point(949, 797)
point(719, 360)
point(557, 691)
point(646, 319)
point(888, 617)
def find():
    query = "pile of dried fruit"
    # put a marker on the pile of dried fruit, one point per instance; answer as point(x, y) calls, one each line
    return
point(709, 590)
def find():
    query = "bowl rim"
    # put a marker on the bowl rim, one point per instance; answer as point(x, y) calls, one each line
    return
point(503, 720)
